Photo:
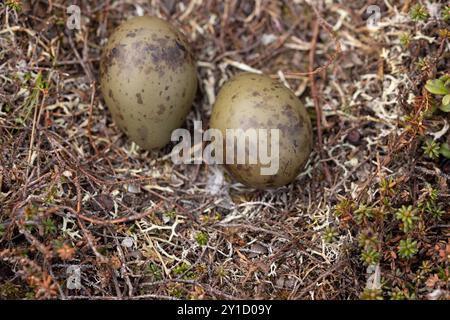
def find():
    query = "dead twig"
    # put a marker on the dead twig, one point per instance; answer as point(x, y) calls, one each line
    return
point(316, 98)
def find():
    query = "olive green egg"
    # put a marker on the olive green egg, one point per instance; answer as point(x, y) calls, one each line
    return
point(254, 101)
point(148, 79)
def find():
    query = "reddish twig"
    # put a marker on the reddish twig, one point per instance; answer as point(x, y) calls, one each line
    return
point(133, 217)
point(320, 21)
point(315, 95)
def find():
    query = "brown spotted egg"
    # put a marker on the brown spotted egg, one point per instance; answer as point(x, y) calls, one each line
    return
point(254, 101)
point(148, 79)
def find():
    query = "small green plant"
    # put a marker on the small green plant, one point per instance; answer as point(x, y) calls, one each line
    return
point(60, 22)
point(177, 292)
point(426, 267)
point(370, 256)
point(431, 149)
point(42, 84)
point(170, 214)
point(221, 272)
point(429, 204)
point(419, 13)
point(387, 186)
point(399, 294)
point(330, 234)
point(408, 248)
point(372, 294)
point(14, 5)
point(49, 226)
point(9, 290)
point(154, 271)
point(405, 39)
point(2, 230)
point(434, 149)
point(422, 64)
point(183, 270)
point(435, 211)
point(51, 194)
point(363, 212)
point(446, 13)
point(440, 87)
point(443, 274)
point(344, 207)
point(201, 238)
point(407, 215)
point(367, 239)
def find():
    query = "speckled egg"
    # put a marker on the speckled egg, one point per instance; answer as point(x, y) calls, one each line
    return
point(148, 79)
point(254, 101)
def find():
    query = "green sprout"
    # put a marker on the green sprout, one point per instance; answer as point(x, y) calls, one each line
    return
point(60, 22)
point(176, 292)
point(419, 13)
point(443, 274)
point(440, 87)
point(363, 212)
point(201, 238)
point(405, 39)
point(49, 226)
point(435, 211)
point(14, 5)
point(387, 186)
point(170, 214)
point(344, 207)
point(370, 256)
point(154, 271)
point(407, 215)
point(368, 239)
point(446, 13)
point(221, 272)
point(430, 206)
point(422, 64)
point(426, 267)
point(434, 149)
point(399, 294)
point(431, 149)
point(408, 248)
point(183, 270)
point(330, 234)
point(372, 294)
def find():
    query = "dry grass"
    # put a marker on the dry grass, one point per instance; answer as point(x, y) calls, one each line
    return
point(76, 191)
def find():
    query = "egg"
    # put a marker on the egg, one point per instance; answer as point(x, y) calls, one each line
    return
point(257, 102)
point(148, 79)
